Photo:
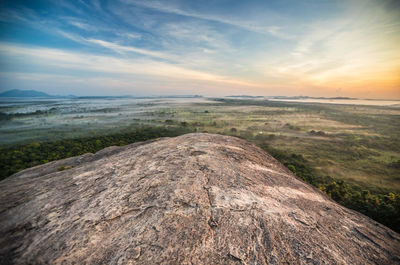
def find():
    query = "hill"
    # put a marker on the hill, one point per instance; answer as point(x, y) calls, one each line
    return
point(193, 199)
point(16, 93)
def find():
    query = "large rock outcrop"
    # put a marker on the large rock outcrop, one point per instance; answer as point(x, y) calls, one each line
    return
point(193, 199)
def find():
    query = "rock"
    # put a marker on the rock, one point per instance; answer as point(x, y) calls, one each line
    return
point(193, 199)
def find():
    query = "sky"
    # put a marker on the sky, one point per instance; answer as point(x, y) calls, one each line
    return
point(325, 48)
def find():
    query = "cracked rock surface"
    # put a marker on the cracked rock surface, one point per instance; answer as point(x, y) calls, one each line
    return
point(193, 199)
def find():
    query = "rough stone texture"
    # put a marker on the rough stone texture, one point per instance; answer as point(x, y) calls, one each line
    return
point(193, 199)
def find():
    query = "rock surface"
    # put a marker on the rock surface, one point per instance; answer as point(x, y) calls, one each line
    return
point(193, 199)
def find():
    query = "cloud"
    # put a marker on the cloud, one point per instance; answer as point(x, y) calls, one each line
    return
point(200, 58)
point(130, 35)
point(114, 46)
point(70, 62)
point(123, 49)
point(247, 25)
point(356, 49)
point(83, 26)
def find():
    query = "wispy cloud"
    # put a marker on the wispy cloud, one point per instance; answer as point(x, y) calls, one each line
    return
point(51, 58)
point(129, 35)
point(124, 49)
point(248, 25)
point(354, 51)
point(114, 46)
point(83, 26)
point(200, 58)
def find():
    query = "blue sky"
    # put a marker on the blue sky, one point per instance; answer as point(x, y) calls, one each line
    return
point(93, 47)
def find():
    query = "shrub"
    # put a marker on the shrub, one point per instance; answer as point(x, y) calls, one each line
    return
point(292, 168)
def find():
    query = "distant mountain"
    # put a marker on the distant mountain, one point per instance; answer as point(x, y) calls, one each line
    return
point(16, 93)
point(307, 97)
point(139, 97)
point(244, 96)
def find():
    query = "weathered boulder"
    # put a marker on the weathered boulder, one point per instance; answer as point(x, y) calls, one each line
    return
point(193, 199)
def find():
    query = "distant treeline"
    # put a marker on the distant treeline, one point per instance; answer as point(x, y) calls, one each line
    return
point(9, 116)
point(382, 207)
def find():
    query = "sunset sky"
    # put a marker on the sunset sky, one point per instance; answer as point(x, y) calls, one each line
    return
point(313, 47)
